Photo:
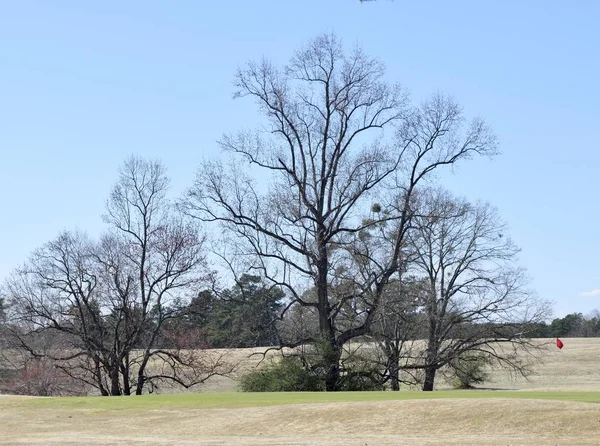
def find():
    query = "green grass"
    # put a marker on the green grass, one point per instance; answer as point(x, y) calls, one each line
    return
point(233, 400)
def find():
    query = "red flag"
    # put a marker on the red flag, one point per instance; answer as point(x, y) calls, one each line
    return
point(559, 343)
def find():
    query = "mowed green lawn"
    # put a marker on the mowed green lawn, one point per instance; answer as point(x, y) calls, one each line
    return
point(239, 400)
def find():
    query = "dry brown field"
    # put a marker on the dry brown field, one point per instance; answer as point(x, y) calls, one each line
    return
point(492, 417)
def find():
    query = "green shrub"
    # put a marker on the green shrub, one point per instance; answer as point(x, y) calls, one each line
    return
point(361, 381)
point(291, 375)
point(468, 369)
point(287, 375)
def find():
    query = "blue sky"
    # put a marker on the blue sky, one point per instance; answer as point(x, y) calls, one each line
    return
point(85, 84)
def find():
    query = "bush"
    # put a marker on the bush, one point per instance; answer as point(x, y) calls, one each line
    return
point(361, 381)
point(467, 370)
point(287, 375)
point(291, 375)
point(38, 377)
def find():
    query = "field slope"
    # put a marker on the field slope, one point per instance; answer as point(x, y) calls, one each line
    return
point(446, 417)
point(559, 405)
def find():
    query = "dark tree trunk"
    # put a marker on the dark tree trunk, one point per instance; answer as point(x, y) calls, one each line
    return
point(322, 289)
point(141, 380)
point(125, 374)
point(432, 345)
point(332, 352)
point(392, 366)
point(139, 388)
point(115, 386)
point(98, 376)
point(429, 378)
point(332, 362)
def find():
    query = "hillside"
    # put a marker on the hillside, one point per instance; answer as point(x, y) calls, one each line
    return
point(575, 367)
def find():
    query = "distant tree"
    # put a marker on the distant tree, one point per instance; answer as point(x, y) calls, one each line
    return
point(591, 324)
point(105, 305)
point(246, 315)
point(570, 325)
point(537, 330)
point(201, 308)
point(191, 330)
point(576, 325)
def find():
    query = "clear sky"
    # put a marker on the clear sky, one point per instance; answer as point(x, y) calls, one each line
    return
point(85, 84)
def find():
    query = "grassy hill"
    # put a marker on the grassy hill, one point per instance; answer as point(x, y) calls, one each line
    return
point(575, 367)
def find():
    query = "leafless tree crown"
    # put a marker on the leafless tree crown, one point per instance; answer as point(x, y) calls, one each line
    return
point(322, 158)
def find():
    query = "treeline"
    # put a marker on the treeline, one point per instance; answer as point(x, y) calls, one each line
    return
point(249, 315)
point(243, 316)
point(574, 325)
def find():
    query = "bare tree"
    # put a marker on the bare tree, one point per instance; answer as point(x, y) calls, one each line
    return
point(326, 157)
point(477, 302)
point(108, 302)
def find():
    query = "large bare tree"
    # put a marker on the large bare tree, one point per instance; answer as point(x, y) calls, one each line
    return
point(105, 304)
point(314, 170)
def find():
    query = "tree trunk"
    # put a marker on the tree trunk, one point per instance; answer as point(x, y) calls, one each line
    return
point(98, 376)
point(393, 369)
point(125, 375)
point(433, 344)
point(115, 385)
point(141, 380)
point(322, 295)
point(139, 388)
point(332, 362)
point(332, 352)
point(429, 378)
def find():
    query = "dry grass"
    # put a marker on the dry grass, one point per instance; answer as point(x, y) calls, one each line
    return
point(575, 367)
point(456, 421)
